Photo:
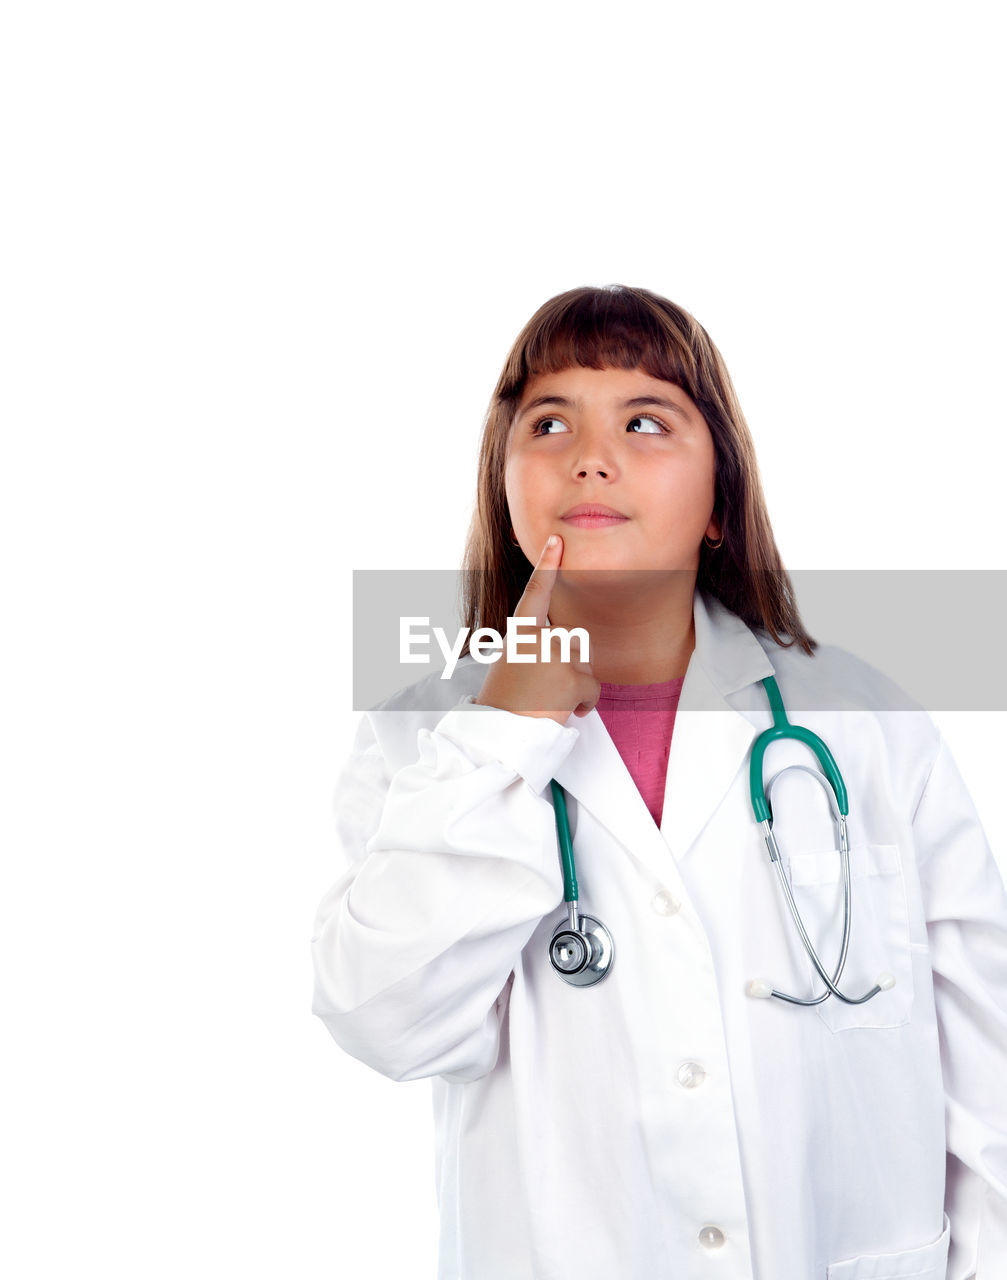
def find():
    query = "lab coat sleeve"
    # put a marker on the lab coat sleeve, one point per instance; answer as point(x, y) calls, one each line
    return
point(966, 908)
point(450, 862)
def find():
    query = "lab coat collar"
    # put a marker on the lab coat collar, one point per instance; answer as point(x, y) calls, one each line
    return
point(707, 750)
point(726, 648)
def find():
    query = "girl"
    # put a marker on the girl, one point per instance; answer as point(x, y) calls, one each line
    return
point(651, 1103)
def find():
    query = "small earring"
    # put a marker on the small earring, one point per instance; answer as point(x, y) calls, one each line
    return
point(713, 545)
point(511, 539)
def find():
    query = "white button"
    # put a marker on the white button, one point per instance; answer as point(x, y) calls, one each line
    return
point(690, 1074)
point(664, 904)
point(711, 1237)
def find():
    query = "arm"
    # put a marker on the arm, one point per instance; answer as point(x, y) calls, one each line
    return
point(451, 863)
point(966, 908)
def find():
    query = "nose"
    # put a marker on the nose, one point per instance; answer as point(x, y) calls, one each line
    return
point(594, 459)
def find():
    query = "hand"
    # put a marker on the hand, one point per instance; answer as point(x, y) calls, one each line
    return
point(545, 690)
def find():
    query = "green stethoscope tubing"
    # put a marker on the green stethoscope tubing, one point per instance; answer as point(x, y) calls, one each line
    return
point(571, 892)
point(782, 728)
point(581, 939)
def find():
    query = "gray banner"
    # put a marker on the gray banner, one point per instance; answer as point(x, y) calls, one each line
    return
point(937, 635)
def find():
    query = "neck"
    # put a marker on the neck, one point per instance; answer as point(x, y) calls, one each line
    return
point(636, 637)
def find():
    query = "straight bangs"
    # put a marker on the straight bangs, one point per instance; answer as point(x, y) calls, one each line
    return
point(615, 327)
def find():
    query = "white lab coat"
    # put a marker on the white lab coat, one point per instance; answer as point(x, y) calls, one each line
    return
point(664, 1122)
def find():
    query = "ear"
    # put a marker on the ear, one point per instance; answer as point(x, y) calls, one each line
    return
point(713, 529)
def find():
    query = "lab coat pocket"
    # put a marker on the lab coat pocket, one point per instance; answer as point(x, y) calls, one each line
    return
point(879, 932)
point(928, 1263)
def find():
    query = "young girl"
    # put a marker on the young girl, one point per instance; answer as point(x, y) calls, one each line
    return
point(627, 1085)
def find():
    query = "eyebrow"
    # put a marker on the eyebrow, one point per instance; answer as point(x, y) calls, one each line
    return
point(637, 402)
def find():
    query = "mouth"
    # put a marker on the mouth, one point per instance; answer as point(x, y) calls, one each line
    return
point(593, 515)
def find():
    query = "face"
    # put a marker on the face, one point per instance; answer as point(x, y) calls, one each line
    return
point(615, 439)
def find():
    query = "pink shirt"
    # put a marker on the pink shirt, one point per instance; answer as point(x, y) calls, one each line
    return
point(640, 719)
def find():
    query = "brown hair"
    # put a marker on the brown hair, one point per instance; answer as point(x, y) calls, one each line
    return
point(628, 328)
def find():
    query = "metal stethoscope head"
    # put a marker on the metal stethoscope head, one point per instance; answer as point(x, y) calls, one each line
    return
point(581, 949)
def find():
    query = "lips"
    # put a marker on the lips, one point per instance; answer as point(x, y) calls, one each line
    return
point(593, 509)
point(593, 515)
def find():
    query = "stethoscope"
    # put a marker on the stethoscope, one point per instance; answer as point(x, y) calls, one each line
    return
point(581, 949)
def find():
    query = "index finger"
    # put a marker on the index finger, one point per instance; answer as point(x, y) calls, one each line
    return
point(535, 600)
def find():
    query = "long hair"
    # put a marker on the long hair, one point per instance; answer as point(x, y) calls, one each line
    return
point(628, 328)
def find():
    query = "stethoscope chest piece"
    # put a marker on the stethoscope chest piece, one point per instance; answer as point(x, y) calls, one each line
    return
point(582, 956)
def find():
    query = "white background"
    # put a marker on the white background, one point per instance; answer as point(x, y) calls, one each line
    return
point(261, 264)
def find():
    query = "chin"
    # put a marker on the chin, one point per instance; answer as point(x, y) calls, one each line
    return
point(601, 574)
point(607, 573)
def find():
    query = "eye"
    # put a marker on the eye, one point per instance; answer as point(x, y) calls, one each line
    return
point(656, 426)
point(537, 427)
point(544, 426)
